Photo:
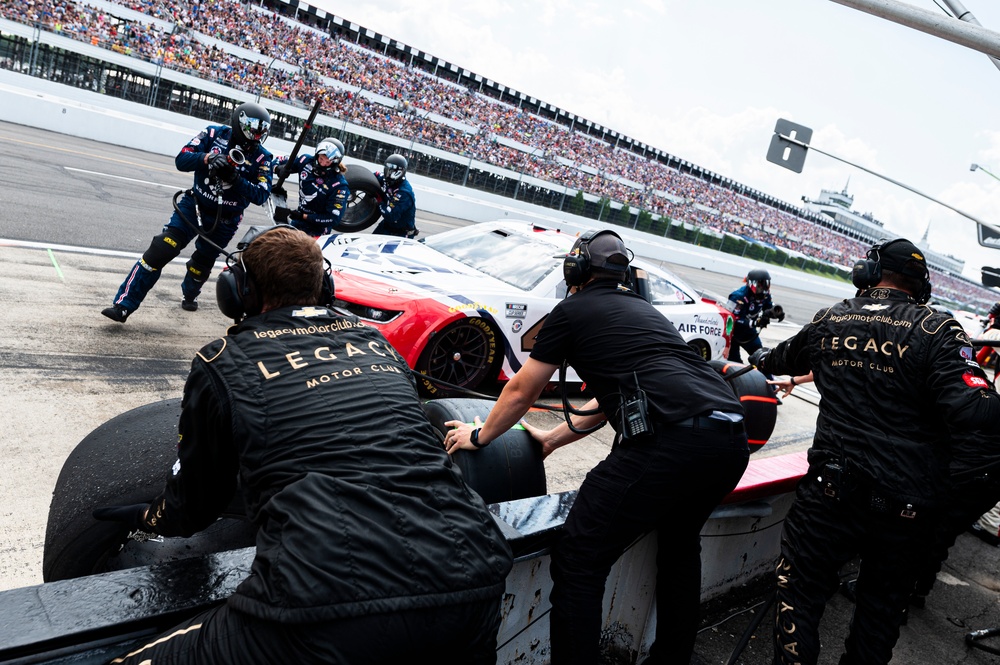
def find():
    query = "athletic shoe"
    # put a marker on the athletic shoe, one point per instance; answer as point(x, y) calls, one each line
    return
point(116, 313)
point(189, 304)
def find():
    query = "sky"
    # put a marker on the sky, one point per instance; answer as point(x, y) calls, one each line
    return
point(706, 80)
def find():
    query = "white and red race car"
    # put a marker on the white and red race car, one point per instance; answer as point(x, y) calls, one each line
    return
point(463, 306)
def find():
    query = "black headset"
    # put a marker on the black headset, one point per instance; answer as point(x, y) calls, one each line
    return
point(235, 290)
point(867, 272)
point(577, 266)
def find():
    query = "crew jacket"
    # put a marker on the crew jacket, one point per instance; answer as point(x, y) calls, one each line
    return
point(359, 508)
point(897, 379)
point(253, 184)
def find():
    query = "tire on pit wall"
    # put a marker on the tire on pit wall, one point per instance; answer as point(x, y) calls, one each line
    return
point(509, 468)
point(124, 461)
point(760, 406)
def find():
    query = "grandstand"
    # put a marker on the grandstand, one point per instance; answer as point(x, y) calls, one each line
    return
point(454, 124)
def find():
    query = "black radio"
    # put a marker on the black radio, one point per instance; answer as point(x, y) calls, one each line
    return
point(635, 421)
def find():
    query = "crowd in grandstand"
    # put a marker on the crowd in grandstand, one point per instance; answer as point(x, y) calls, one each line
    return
point(391, 96)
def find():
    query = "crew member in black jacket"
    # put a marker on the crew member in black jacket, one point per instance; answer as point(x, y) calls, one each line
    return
point(668, 475)
point(370, 547)
point(898, 382)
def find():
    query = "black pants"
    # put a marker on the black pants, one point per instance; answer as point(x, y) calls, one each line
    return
point(970, 500)
point(745, 337)
point(819, 536)
point(671, 484)
point(455, 635)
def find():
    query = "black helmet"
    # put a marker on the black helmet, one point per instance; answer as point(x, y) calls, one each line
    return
point(759, 282)
point(395, 169)
point(250, 124)
point(333, 149)
point(995, 310)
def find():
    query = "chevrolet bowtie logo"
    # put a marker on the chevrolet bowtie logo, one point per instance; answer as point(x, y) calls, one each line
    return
point(307, 312)
point(875, 308)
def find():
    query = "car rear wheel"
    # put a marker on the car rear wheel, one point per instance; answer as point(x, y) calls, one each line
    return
point(362, 208)
point(702, 348)
point(464, 354)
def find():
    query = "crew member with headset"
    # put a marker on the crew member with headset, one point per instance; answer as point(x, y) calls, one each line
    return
point(370, 547)
point(899, 383)
point(752, 310)
point(398, 204)
point(323, 189)
point(679, 441)
point(231, 170)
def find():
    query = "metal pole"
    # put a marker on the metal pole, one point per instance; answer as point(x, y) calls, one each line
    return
point(989, 225)
point(951, 29)
point(963, 14)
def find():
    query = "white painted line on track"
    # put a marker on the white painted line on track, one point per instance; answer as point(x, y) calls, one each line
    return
point(120, 177)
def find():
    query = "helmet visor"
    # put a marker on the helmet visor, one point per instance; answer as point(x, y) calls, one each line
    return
point(254, 129)
point(393, 172)
point(330, 150)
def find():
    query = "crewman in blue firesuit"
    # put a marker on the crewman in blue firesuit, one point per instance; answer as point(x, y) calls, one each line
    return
point(323, 189)
point(752, 309)
point(231, 171)
point(398, 205)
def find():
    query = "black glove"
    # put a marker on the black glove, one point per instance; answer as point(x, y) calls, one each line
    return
point(282, 170)
point(412, 233)
point(758, 356)
point(281, 215)
point(764, 320)
point(226, 174)
point(131, 516)
point(297, 215)
point(215, 162)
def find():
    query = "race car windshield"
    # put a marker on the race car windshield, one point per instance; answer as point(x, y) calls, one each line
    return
point(512, 258)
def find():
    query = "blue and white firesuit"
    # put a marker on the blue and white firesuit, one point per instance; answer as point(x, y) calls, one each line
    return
point(746, 308)
point(215, 206)
point(399, 209)
point(323, 194)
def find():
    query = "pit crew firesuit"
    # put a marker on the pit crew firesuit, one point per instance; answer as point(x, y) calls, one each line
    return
point(746, 308)
point(218, 206)
point(370, 548)
point(323, 194)
point(399, 209)
point(896, 378)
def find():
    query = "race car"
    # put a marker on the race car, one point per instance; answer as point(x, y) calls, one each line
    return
point(463, 306)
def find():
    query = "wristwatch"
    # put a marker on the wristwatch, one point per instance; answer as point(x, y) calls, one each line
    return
point(474, 439)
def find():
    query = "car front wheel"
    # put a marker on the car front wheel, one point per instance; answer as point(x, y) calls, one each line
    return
point(464, 355)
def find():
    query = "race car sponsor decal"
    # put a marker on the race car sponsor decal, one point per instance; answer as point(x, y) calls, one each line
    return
point(967, 352)
point(517, 325)
point(875, 308)
point(516, 310)
point(471, 305)
point(974, 381)
point(703, 325)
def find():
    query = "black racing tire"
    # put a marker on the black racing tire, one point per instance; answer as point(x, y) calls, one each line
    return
point(760, 406)
point(702, 348)
point(466, 353)
point(509, 468)
point(362, 208)
point(124, 461)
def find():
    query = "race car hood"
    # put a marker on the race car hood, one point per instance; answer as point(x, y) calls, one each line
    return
point(402, 268)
